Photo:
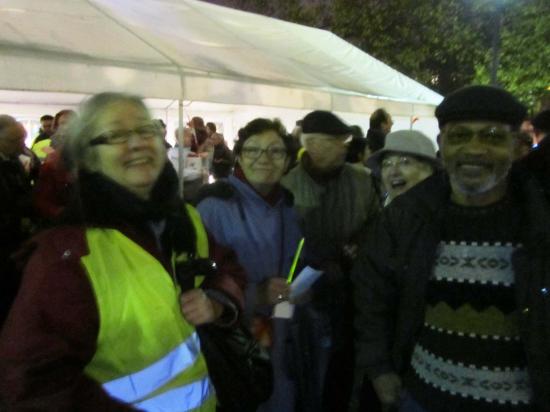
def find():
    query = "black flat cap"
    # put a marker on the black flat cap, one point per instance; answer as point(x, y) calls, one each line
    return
point(481, 103)
point(321, 121)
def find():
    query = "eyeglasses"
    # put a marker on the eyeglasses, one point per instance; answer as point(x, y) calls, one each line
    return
point(117, 137)
point(397, 161)
point(490, 135)
point(274, 153)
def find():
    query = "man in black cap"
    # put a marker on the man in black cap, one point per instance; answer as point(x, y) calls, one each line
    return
point(452, 284)
point(334, 200)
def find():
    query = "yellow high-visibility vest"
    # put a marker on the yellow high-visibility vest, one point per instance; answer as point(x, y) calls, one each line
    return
point(42, 148)
point(147, 354)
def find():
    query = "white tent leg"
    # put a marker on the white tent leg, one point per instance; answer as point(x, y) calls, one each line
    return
point(181, 160)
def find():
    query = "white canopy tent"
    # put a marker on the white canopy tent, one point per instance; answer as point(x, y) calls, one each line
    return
point(175, 49)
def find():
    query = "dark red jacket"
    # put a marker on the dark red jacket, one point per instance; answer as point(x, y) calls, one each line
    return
point(51, 332)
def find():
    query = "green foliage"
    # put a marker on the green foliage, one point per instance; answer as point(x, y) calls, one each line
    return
point(524, 66)
point(434, 42)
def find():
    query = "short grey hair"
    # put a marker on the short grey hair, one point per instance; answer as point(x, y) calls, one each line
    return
point(5, 121)
point(77, 152)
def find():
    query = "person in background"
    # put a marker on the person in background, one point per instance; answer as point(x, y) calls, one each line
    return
point(357, 147)
point(15, 208)
point(527, 127)
point(54, 184)
point(192, 163)
point(407, 158)
point(334, 200)
point(200, 141)
point(222, 158)
point(537, 161)
point(541, 125)
point(173, 152)
point(451, 282)
point(46, 129)
point(29, 160)
point(252, 214)
point(380, 124)
point(297, 149)
point(162, 126)
point(381, 120)
point(100, 322)
point(60, 124)
point(46, 146)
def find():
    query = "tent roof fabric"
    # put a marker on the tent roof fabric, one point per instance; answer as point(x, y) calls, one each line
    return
point(192, 49)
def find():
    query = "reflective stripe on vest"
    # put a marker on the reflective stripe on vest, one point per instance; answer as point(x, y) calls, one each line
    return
point(137, 385)
point(180, 399)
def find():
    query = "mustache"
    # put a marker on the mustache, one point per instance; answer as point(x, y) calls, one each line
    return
point(476, 160)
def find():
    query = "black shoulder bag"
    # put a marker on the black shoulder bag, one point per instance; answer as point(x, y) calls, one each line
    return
point(239, 367)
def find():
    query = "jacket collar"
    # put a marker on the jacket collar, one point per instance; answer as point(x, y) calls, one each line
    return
point(429, 199)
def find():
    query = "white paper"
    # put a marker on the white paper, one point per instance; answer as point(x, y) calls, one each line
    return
point(307, 277)
point(283, 310)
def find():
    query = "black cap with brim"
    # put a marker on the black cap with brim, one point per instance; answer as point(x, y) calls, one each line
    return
point(324, 122)
point(482, 103)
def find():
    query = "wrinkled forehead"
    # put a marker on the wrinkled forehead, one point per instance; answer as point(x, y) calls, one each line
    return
point(266, 138)
point(475, 125)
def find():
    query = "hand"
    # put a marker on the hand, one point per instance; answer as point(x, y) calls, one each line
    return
point(198, 309)
point(388, 389)
point(273, 290)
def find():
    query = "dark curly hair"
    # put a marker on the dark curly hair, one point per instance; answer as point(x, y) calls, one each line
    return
point(261, 125)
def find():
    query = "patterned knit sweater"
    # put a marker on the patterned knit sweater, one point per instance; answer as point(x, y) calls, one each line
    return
point(469, 356)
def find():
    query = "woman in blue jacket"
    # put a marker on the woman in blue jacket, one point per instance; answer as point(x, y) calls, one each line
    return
point(250, 213)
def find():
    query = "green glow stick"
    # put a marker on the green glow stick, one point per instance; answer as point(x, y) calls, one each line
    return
point(295, 262)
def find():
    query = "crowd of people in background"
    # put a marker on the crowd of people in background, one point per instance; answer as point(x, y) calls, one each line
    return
point(435, 285)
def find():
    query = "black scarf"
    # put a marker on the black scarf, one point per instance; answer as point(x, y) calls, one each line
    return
point(99, 201)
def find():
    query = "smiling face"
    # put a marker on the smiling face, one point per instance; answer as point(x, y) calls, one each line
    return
point(477, 156)
point(400, 172)
point(263, 159)
point(135, 164)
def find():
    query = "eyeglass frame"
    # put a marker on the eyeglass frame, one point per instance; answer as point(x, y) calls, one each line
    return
point(403, 160)
point(282, 151)
point(104, 139)
point(488, 135)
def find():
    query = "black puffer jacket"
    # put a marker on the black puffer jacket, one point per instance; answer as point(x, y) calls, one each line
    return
point(396, 261)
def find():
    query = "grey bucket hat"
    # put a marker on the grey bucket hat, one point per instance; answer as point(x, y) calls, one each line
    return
point(408, 142)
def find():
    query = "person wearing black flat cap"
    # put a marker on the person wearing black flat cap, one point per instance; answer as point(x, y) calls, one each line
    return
point(452, 283)
point(335, 201)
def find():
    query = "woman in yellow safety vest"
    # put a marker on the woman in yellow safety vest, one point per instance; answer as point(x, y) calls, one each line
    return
point(100, 322)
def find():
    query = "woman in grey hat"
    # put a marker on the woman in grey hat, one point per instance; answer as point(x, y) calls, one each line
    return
point(407, 158)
